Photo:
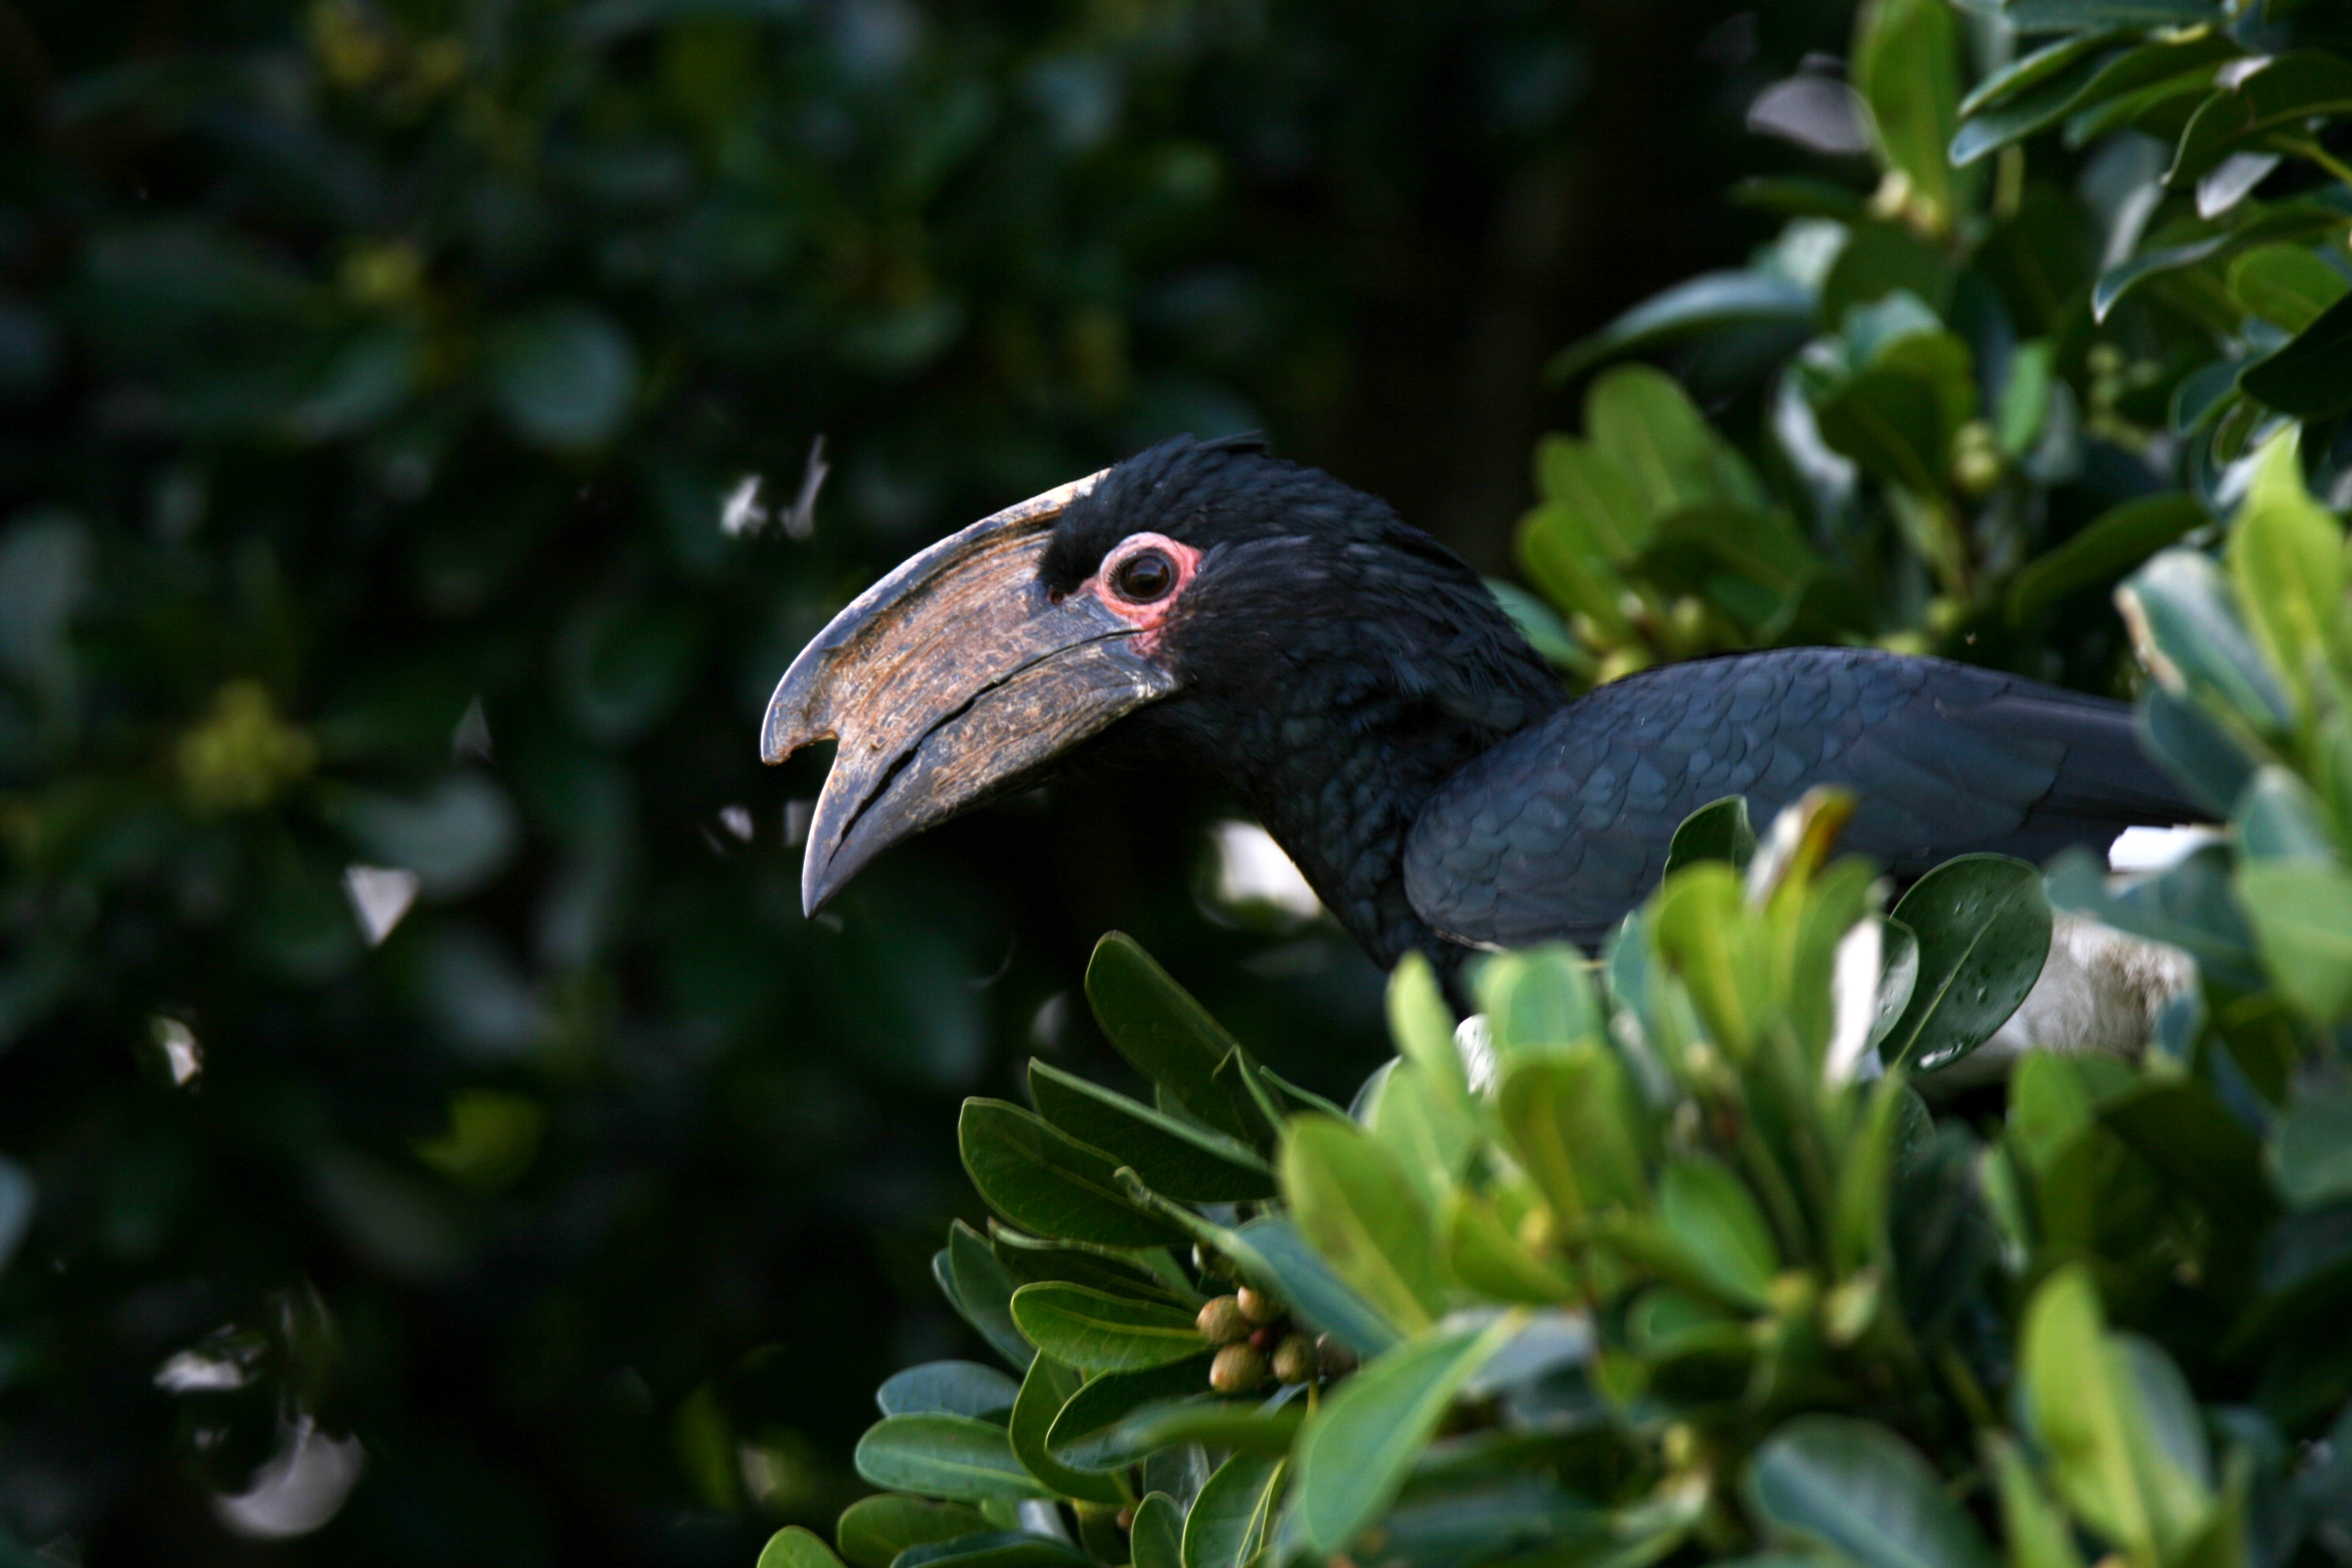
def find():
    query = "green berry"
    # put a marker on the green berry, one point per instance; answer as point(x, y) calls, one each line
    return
point(1220, 1321)
point(1237, 1369)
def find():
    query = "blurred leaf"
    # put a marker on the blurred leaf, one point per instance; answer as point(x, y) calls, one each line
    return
point(2194, 748)
point(952, 1457)
point(2037, 1531)
point(2106, 1455)
point(454, 838)
point(947, 1388)
point(17, 1205)
point(2027, 95)
point(1095, 1331)
point(1232, 1517)
point(2111, 544)
point(1710, 1212)
point(1350, 1198)
point(2286, 91)
point(2301, 917)
point(2279, 818)
point(1354, 1453)
point(2305, 377)
point(1241, 1425)
point(1485, 1255)
point(2286, 561)
point(875, 1530)
point(1423, 1025)
point(793, 1547)
point(1859, 1490)
point(564, 376)
point(1539, 1001)
point(1906, 67)
point(1718, 831)
point(2287, 285)
point(2311, 1148)
point(1572, 1119)
point(1043, 1180)
point(2187, 633)
point(1044, 1390)
point(1710, 302)
point(1433, 1134)
point(1184, 1162)
point(979, 1287)
point(1983, 928)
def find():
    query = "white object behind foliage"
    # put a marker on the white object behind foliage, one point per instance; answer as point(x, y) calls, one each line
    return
point(1252, 869)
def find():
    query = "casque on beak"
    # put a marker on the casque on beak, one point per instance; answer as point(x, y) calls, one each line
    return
point(953, 680)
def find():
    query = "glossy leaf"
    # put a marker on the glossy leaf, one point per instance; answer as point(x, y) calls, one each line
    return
point(1232, 1516)
point(1906, 67)
point(1713, 301)
point(2287, 285)
point(1348, 1196)
point(2302, 919)
point(1573, 1121)
point(952, 1456)
point(978, 1286)
point(2189, 633)
point(2286, 91)
point(1157, 1535)
point(793, 1547)
point(1185, 1162)
point(1089, 1431)
point(1718, 831)
point(1044, 1181)
point(1048, 1387)
point(1983, 928)
point(1863, 1493)
point(873, 1530)
point(1162, 1032)
point(1095, 1331)
point(947, 1388)
point(1539, 1001)
point(998, 1549)
point(1238, 1425)
point(1353, 1455)
point(1711, 1213)
point(2305, 377)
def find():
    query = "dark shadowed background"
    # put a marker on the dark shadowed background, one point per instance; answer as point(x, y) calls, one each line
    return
point(380, 391)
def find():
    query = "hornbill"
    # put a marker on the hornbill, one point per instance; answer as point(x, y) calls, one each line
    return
point(1355, 685)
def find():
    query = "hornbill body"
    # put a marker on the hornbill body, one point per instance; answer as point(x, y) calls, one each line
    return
point(1354, 684)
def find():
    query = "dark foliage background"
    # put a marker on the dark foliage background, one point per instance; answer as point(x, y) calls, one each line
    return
point(373, 376)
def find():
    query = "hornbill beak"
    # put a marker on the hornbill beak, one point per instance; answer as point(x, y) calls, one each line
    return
point(952, 679)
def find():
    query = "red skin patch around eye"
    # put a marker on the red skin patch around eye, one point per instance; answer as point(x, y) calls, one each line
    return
point(1145, 618)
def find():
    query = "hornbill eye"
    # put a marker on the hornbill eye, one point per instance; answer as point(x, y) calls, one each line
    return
point(1143, 577)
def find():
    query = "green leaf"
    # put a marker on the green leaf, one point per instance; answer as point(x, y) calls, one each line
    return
point(1717, 831)
point(1538, 1001)
point(1026, 1260)
point(1649, 427)
point(1162, 1032)
point(2111, 544)
point(1701, 928)
point(2310, 1151)
point(952, 1456)
point(1983, 926)
point(2105, 1454)
point(1710, 302)
point(1858, 1233)
point(2279, 818)
point(2182, 1128)
point(1095, 1331)
point(1433, 1134)
point(1044, 1181)
point(1710, 1212)
point(563, 376)
point(793, 1547)
point(978, 1286)
point(1241, 1425)
point(998, 1549)
point(947, 1388)
point(1489, 1258)
point(2286, 563)
point(1423, 1025)
point(1574, 1122)
point(2304, 84)
point(1353, 1454)
point(2286, 285)
point(1157, 1536)
point(1044, 1391)
point(2032, 70)
point(2301, 917)
point(875, 1530)
point(2307, 378)
point(1860, 1490)
point(1889, 420)
point(1183, 1161)
point(2154, 87)
point(2072, 15)
point(1275, 1256)
point(1907, 67)
point(1350, 1198)
point(2187, 629)
point(1089, 1432)
point(1230, 1520)
point(2036, 1529)
point(2059, 73)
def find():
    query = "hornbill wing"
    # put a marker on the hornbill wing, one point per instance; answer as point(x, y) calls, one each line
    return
point(1556, 832)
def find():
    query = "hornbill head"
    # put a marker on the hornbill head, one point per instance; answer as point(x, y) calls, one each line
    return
point(1281, 629)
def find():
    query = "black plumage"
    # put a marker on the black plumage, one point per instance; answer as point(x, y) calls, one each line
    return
point(1354, 684)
